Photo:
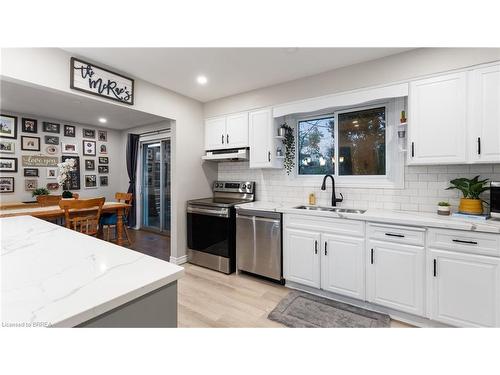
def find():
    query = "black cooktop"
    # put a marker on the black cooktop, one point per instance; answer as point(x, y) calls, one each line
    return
point(217, 202)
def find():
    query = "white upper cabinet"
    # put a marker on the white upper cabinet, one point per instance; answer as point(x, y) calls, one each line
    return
point(437, 121)
point(262, 140)
point(484, 96)
point(226, 132)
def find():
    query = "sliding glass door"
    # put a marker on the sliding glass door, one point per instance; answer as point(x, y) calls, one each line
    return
point(156, 169)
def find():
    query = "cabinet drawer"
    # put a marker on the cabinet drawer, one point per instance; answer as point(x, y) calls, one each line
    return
point(465, 241)
point(326, 224)
point(396, 233)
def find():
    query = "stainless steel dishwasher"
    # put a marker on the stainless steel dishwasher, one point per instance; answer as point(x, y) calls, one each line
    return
point(258, 243)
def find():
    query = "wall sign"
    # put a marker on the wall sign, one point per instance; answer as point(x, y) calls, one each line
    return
point(98, 81)
point(39, 161)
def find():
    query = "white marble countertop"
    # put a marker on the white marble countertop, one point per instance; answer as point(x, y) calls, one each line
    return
point(423, 219)
point(58, 277)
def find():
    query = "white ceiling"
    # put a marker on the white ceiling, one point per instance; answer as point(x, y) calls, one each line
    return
point(229, 70)
point(54, 105)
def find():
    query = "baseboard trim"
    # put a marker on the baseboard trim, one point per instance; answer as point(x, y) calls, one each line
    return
point(179, 260)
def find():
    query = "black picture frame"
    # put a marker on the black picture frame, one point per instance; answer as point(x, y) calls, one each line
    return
point(12, 183)
point(73, 182)
point(51, 127)
point(15, 127)
point(9, 170)
point(103, 181)
point(89, 165)
point(102, 169)
point(102, 135)
point(90, 181)
point(103, 160)
point(52, 140)
point(85, 151)
point(23, 138)
point(31, 172)
point(69, 131)
point(29, 125)
point(88, 133)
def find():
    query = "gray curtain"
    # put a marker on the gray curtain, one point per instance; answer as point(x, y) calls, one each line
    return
point(132, 150)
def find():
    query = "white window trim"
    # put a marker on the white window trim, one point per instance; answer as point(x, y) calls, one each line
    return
point(395, 159)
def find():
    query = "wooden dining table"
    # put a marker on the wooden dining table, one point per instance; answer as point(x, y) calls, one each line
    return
point(54, 212)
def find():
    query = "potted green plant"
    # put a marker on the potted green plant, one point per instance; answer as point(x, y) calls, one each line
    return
point(444, 208)
point(471, 189)
point(40, 191)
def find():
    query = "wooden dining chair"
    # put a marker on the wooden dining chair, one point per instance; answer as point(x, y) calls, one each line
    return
point(82, 215)
point(109, 220)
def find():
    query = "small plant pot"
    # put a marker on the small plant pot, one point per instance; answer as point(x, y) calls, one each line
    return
point(401, 133)
point(470, 206)
point(444, 210)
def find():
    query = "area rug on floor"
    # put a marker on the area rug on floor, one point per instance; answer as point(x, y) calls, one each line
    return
point(303, 310)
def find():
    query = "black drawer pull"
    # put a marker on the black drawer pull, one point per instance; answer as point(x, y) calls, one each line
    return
point(326, 251)
point(315, 247)
point(412, 149)
point(395, 235)
point(467, 242)
point(371, 260)
point(435, 267)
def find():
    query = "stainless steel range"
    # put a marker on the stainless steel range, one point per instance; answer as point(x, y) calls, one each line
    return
point(211, 225)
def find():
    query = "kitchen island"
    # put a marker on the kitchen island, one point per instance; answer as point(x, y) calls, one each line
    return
point(56, 277)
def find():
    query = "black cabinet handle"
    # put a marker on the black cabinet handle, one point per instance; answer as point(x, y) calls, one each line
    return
point(371, 256)
point(326, 252)
point(435, 267)
point(467, 242)
point(227, 138)
point(395, 235)
point(315, 247)
point(412, 149)
point(269, 156)
point(479, 145)
point(222, 138)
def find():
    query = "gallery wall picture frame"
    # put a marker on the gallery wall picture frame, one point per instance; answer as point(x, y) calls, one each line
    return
point(89, 165)
point(69, 148)
point(102, 135)
point(7, 185)
point(51, 150)
point(51, 173)
point(88, 133)
point(51, 140)
point(7, 147)
point(51, 127)
point(103, 160)
point(29, 125)
point(73, 182)
point(103, 181)
point(103, 169)
point(8, 126)
point(89, 148)
point(8, 164)
point(31, 172)
point(30, 184)
point(103, 149)
point(90, 181)
point(39, 161)
point(52, 186)
point(69, 131)
point(29, 143)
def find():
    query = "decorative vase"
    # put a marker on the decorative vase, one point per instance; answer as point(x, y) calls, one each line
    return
point(444, 210)
point(470, 206)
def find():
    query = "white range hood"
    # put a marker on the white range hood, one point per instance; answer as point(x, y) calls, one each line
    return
point(227, 155)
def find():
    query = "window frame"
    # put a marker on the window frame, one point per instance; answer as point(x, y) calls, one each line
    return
point(394, 158)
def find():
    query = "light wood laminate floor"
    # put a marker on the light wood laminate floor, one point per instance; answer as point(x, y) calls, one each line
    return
point(212, 299)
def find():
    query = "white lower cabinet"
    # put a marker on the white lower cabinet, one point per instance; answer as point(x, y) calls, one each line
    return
point(302, 256)
point(463, 289)
point(395, 276)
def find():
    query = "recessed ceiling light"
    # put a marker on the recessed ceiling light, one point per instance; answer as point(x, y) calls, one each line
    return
point(102, 120)
point(202, 80)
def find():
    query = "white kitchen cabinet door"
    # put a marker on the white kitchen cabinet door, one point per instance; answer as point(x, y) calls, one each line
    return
point(437, 119)
point(463, 289)
point(343, 265)
point(237, 130)
point(301, 257)
point(484, 139)
point(215, 133)
point(395, 276)
point(260, 138)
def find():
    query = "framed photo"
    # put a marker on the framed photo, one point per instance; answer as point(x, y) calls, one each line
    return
point(30, 172)
point(29, 125)
point(103, 180)
point(52, 150)
point(69, 148)
point(89, 148)
point(69, 131)
point(51, 127)
point(103, 149)
point(89, 165)
point(8, 126)
point(8, 164)
point(6, 184)
point(7, 147)
point(103, 160)
point(89, 133)
point(73, 183)
point(52, 186)
point(30, 143)
point(90, 181)
point(30, 185)
point(103, 169)
point(102, 135)
point(51, 140)
point(51, 173)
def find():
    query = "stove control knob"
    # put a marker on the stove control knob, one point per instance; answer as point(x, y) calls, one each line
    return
point(243, 186)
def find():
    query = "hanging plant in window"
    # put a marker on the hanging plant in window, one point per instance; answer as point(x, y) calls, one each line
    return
point(289, 143)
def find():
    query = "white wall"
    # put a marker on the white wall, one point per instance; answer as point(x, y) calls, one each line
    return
point(114, 155)
point(49, 67)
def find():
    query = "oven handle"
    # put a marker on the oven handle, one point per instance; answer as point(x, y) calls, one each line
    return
point(221, 212)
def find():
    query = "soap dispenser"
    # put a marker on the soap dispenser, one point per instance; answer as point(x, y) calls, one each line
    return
point(312, 199)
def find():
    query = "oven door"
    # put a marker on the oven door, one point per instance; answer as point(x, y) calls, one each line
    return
point(210, 230)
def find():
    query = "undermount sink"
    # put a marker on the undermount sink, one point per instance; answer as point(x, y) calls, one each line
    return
point(332, 209)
